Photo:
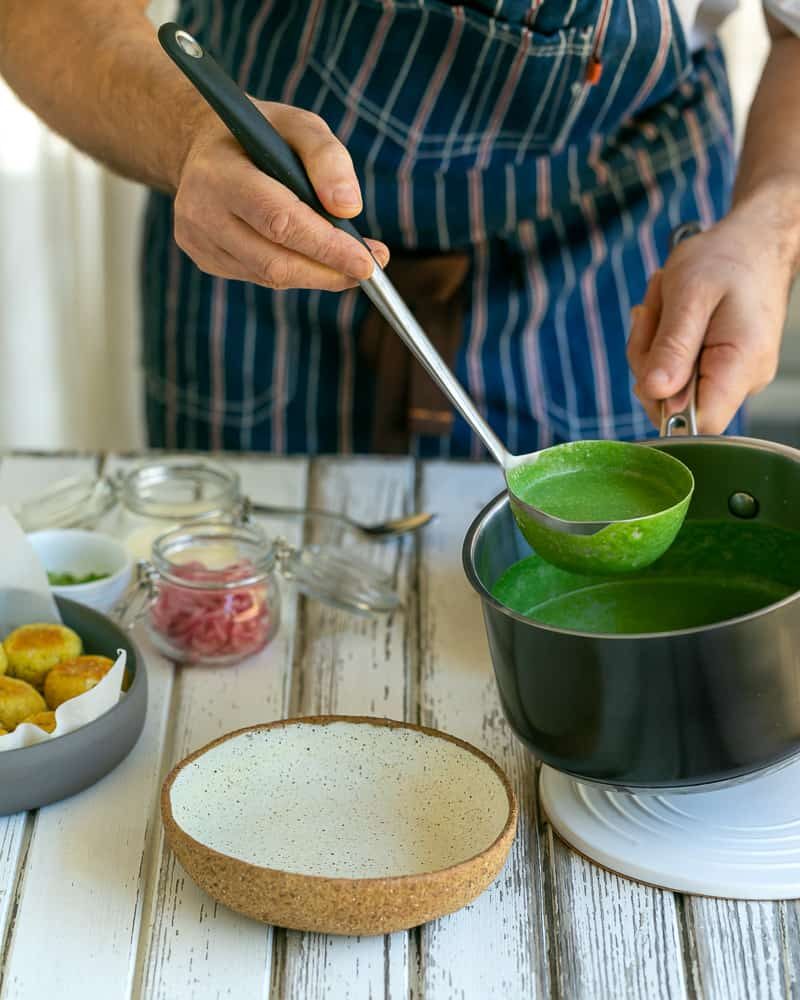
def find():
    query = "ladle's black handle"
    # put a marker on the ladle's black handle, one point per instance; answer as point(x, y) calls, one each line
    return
point(265, 147)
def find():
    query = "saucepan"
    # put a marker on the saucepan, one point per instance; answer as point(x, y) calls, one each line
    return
point(683, 675)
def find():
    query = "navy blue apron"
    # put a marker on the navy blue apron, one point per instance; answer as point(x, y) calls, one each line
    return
point(558, 144)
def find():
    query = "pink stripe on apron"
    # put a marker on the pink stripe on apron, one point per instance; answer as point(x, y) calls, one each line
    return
point(700, 186)
point(344, 321)
point(594, 323)
point(280, 376)
point(405, 191)
point(478, 326)
point(252, 41)
point(530, 332)
point(366, 70)
point(655, 204)
point(661, 56)
point(219, 308)
point(170, 338)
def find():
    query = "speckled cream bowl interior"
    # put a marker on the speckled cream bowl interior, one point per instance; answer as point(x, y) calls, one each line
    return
point(339, 824)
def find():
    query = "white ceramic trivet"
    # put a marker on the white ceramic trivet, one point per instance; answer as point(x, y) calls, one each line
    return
point(738, 842)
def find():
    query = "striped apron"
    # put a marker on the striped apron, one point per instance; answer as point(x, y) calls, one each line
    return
point(558, 143)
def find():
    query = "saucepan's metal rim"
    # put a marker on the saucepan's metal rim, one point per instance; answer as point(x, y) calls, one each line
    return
point(470, 542)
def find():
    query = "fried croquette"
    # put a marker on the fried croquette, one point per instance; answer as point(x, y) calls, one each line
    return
point(3, 660)
point(33, 650)
point(18, 700)
point(68, 680)
point(44, 720)
point(3, 732)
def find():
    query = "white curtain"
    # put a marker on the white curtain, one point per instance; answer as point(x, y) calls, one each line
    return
point(68, 302)
point(69, 237)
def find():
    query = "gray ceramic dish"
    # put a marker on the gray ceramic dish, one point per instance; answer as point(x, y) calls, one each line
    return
point(35, 776)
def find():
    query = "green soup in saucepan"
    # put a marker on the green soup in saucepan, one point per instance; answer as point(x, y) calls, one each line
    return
point(714, 571)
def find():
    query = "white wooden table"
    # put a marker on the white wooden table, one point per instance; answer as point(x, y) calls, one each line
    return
point(93, 906)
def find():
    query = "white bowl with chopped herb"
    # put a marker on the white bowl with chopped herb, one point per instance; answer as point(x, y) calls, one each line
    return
point(85, 566)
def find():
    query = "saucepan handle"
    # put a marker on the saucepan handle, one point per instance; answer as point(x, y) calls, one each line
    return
point(683, 421)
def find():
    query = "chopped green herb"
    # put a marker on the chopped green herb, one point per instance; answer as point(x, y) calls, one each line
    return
point(69, 579)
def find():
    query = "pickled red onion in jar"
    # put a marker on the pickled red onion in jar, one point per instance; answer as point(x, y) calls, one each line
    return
point(225, 622)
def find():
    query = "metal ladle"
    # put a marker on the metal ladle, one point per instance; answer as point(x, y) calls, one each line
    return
point(597, 546)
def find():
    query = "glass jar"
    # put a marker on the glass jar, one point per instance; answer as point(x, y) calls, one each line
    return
point(157, 496)
point(139, 505)
point(209, 594)
point(213, 597)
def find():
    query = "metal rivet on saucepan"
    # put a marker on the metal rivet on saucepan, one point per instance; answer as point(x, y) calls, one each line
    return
point(742, 504)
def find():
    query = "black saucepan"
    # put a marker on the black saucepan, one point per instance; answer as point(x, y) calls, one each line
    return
point(680, 706)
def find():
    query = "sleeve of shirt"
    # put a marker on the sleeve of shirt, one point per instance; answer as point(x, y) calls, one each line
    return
point(786, 11)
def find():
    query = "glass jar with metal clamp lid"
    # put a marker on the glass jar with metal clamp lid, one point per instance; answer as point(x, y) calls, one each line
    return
point(139, 504)
point(209, 593)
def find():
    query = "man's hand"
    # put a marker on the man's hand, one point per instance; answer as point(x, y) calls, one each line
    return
point(110, 89)
point(721, 298)
point(236, 222)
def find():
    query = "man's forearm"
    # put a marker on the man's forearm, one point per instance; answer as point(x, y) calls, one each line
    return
point(94, 72)
point(769, 168)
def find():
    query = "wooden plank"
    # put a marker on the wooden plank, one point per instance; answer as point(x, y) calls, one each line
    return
point(611, 937)
point(497, 946)
point(744, 950)
point(352, 665)
point(22, 476)
point(191, 947)
point(552, 922)
point(790, 946)
point(13, 831)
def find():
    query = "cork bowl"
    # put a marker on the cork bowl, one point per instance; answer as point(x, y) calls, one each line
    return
point(337, 824)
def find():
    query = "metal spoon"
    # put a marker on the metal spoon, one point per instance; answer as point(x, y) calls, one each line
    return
point(623, 544)
point(380, 529)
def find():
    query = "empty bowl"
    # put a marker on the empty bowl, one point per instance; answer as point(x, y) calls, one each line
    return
point(71, 550)
point(340, 825)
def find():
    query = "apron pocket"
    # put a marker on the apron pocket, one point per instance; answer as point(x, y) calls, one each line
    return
point(442, 83)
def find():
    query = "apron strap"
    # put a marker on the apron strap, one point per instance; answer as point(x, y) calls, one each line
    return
point(407, 402)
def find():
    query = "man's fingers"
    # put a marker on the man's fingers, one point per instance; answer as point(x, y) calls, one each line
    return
point(643, 326)
point(275, 266)
point(722, 387)
point(687, 308)
point(326, 160)
point(379, 251)
point(280, 217)
point(225, 201)
point(732, 368)
point(212, 259)
point(651, 407)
